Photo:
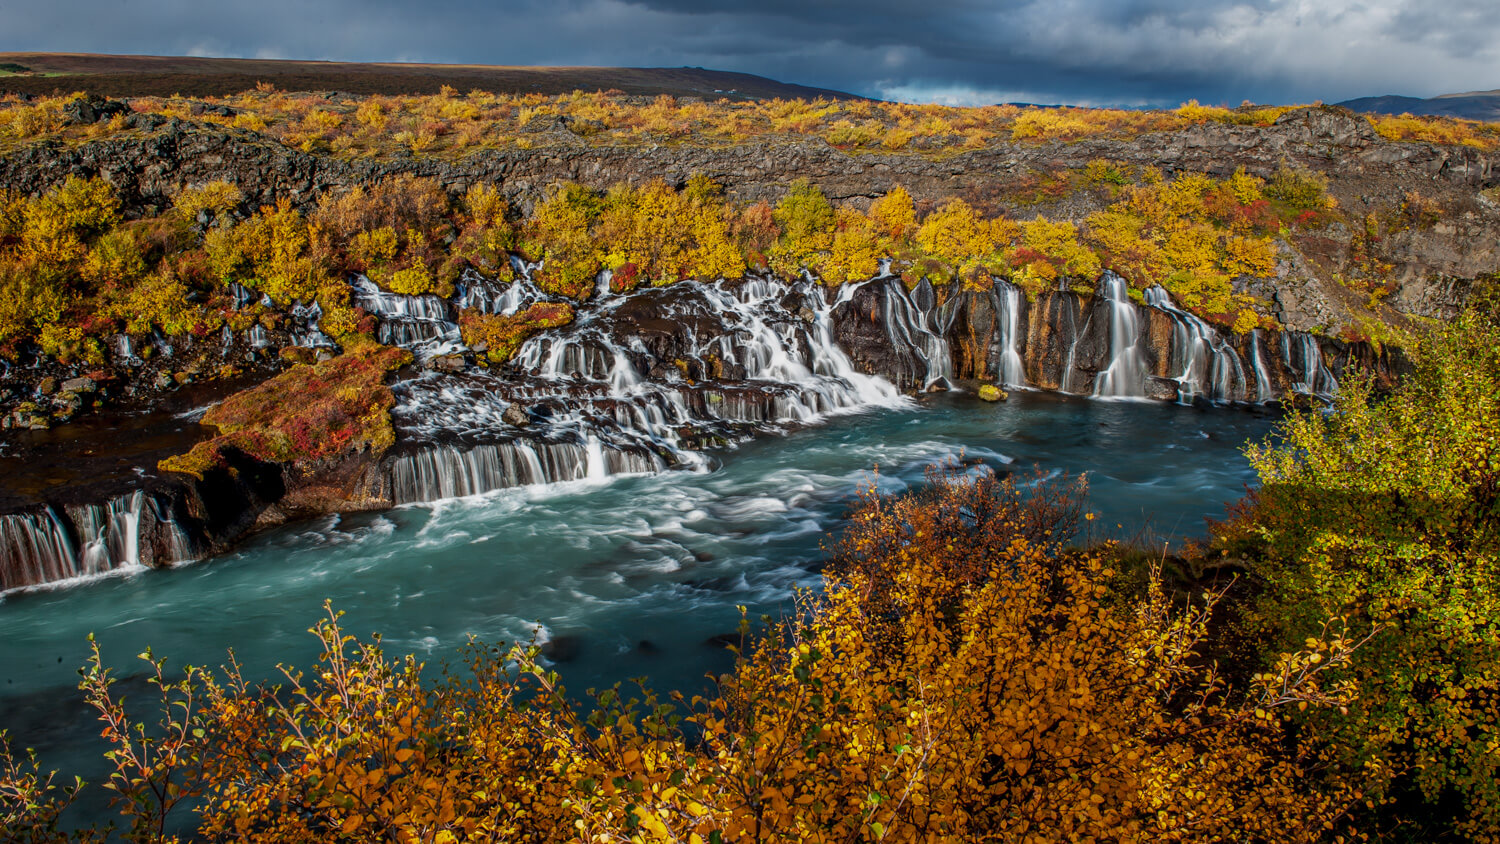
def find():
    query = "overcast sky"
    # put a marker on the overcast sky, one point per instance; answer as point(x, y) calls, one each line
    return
point(1087, 52)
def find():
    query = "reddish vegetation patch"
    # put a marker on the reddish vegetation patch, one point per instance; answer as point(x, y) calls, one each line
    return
point(501, 336)
point(307, 413)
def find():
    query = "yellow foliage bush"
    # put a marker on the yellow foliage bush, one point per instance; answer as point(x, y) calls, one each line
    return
point(955, 235)
point(156, 301)
point(412, 281)
point(855, 253)
point(807, 223)
point(895, 217)
point(557, 234)
point(214, 199)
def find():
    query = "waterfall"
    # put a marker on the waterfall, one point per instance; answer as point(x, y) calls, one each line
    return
point(1263, 392)
point(309, 334)
point(743, 357)
point(441, 472)
point(111, 533)
point(404, 320)
point(907, 324)
point(124, 350)
point(1208, 366)
point(243, 296)
point(593, 454)
point(1126, 375)
point(1304, 357)
point(1012, 367)
point(475, 292)
point(36, 549)
point(1065, 382)
point(121, 534)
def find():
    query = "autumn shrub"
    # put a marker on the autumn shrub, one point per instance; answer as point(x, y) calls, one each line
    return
point(32, 802)
point(756, 232)
point(1050, 250)
point(487, 235)
point(210, 200)
point(1303, 190)
point(668, 235)
point(30, 300)
point(1437, 130)
point(895, 218)
point(956, 235)
point(1192, 235)
point(306, 414)
point(1387, 511)
point(558, 234)
point(806, 222)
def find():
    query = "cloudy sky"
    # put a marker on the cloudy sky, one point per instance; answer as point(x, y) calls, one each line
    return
point(1088, 52)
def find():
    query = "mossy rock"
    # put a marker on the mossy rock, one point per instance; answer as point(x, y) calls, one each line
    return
point(989, 392)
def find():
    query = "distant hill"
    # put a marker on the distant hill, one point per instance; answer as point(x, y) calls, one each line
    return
point(123, 76)
point(1475, 105)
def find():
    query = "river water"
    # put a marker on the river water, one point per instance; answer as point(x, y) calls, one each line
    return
point(622, 577)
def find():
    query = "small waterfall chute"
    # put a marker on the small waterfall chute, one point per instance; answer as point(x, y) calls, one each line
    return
point(909, 324)
point(1303, 355)
point(1008, 301)
point(1207, 366)
point(1263, 391)
point(1125, 377)
point(37, 549)
point(124, 533)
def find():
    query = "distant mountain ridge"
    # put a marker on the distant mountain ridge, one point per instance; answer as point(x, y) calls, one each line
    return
point(126, 76)
point(1474, 105)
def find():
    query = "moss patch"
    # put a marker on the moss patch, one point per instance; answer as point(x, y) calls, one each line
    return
point(308, 413)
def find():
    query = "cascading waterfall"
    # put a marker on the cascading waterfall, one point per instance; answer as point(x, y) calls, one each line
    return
point(111, 533)
point(123, 533)
point(1126, 375)
point(1263, 392)
point(38, 549)
point(1008, 299)
point(1209, 367)
point(1304, 357)
point(603, 417)
point(243, 296)
point(1068, 382)
point(405, 320)
point(124, 350)
point(442, 472)
point(907, 324)
point(310, 334)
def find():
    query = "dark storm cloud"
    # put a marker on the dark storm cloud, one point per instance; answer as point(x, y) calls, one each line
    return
point(1082, 51)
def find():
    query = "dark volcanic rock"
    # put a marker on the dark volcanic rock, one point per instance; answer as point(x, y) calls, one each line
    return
point(85, 110)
